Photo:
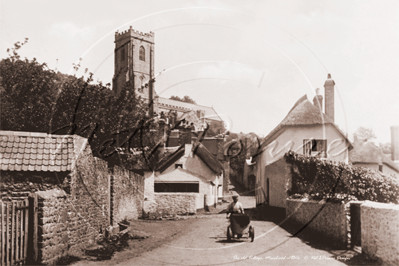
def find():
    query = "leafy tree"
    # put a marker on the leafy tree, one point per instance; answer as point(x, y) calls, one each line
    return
point(365, 134)
point(27, 91)
point(35, 98)
point(185, 99)
point(215, 128)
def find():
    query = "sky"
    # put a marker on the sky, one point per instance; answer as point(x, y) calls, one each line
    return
point(249, 60)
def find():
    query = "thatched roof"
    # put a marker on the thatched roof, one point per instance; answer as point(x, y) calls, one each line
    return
point(167, 161)
point(303, 113)
point(209, 159)
point(206, 156)
point(367, 152)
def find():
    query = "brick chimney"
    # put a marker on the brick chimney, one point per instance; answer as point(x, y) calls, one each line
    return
point(395, 143)
point(329, 97)
point(318, 100)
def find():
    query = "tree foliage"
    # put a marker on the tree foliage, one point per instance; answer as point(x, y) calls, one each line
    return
point(320, 179)
point(365, 134)
point(215, 128)
point(27, 91)
point(185, 99)
point(36, 99)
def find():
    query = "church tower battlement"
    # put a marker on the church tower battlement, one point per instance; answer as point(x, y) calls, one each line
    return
point(134, 61)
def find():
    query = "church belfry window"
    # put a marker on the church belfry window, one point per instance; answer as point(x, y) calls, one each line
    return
point(123, 53)
point(142, 53)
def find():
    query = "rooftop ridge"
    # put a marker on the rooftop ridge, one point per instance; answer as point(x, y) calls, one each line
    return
point(34, 134)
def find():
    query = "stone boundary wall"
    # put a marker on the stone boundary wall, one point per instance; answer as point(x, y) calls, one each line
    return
point(127, 190)
point(52, 225)
point(175, 203)
point(13, 182)
point(279, 176)
point(66, 224)
point(329, 226)
point(380, 231)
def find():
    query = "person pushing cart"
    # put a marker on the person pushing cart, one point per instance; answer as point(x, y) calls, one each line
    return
point(239, 221)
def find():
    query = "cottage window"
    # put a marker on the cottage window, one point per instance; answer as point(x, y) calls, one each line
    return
point(142, 53)
point(315, 147)
point(176, 187)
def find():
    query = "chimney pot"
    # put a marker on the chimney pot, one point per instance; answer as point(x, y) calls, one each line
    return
point(318, 100)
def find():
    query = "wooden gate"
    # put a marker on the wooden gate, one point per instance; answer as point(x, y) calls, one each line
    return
point(14, 231)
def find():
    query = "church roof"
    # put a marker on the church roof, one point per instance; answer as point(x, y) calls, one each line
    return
point(303, 113)
point(367, 152)
point(210, 113)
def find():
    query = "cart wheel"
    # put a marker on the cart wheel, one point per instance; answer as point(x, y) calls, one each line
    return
point(252, 233)
point(228, 233)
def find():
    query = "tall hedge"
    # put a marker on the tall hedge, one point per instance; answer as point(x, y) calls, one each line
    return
point(321, 179)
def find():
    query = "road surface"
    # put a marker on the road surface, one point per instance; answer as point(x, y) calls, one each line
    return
point(206, 244)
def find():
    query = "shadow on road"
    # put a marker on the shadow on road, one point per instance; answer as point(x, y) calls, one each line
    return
point(224, 241)
point(277, 216)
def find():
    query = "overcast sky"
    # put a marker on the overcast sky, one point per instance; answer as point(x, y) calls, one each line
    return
point(250, 60)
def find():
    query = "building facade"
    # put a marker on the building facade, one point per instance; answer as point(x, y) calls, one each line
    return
point(305, 130)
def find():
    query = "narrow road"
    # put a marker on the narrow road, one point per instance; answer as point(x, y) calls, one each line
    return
point(206, 244)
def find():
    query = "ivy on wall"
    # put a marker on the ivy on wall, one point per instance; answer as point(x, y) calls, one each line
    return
point(321, 179)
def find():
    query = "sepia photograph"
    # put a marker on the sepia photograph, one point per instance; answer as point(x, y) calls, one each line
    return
point(199, 132)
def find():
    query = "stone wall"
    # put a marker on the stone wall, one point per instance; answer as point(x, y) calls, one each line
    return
point(66, 224)
point(176, 203)
point(74, 207)
point(279, 176)
point(15, 182)
point(151, 204)
point(329, 225)
point(69, 222)
point(127, 195)
point(53, 224)
point(380, 231)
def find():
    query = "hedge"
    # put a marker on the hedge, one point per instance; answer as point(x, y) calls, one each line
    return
point(322, 179)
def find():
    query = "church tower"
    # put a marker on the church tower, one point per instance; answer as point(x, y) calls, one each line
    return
point(134, 62)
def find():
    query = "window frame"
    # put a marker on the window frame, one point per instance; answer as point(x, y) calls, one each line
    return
point(176, 187)
point(315, 147)
point(142, 53)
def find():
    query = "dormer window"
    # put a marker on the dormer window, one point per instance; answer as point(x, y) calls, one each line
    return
point(315, 147)
point(142, 53)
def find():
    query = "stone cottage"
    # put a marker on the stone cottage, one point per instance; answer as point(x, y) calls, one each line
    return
point(77, 195)
point(186, 180)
